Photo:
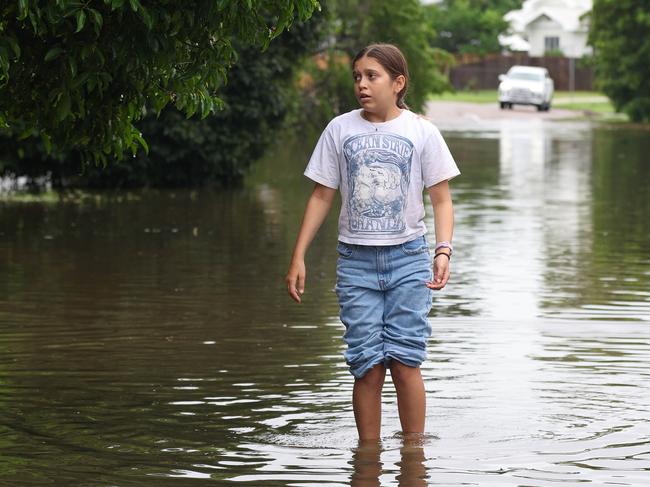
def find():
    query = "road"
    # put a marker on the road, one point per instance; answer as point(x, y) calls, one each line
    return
point(451, 110)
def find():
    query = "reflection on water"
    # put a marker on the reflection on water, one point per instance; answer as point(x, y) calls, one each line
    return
point(147, 339)
point(551, 221)
point(367, 466)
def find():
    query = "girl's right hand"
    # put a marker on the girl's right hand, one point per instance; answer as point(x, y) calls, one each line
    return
point(296, 279)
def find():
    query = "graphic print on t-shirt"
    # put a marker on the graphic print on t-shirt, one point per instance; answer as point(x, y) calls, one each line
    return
point(379, 168)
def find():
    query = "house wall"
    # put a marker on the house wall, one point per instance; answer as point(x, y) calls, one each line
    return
point(572, 44)
point(536, 32)
point(578, 41)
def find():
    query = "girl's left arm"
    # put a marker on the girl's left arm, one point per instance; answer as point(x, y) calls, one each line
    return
point(443, 212)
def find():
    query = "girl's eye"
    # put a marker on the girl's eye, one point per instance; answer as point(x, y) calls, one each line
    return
point(357, 77)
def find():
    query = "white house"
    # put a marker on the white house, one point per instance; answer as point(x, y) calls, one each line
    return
point(549, 25)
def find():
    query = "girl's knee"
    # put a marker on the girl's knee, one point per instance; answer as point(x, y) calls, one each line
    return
point(401, 373)
point(375, 376)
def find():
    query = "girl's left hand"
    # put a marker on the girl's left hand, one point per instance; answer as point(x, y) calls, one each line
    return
point(440, 273)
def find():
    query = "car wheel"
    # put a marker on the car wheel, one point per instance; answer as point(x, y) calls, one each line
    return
point(540, 108)
point(502, 105)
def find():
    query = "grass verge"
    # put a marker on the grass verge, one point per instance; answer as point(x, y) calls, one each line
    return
point(590, 103)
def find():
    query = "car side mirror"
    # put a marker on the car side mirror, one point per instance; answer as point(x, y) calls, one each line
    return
point(502, 77)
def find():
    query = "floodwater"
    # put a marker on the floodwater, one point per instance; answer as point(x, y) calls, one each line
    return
point(146, 338)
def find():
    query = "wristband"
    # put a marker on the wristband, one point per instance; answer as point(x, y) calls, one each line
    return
point(444, 245)
point(442, 253)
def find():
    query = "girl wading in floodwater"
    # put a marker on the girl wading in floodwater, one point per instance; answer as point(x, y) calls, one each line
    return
point(381, 157)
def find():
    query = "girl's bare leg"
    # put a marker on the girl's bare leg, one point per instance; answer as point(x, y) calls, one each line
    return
point(366, 402)
point(411, 398)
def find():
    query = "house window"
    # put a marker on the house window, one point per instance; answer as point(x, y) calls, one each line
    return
point(551, 43)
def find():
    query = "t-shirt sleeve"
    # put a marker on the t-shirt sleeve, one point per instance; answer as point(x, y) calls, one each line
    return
point(323, 166)
point(437, 162)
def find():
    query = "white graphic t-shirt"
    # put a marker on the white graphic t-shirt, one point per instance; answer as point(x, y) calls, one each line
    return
point(381, 170)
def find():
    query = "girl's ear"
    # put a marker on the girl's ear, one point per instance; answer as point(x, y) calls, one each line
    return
point(400, 81)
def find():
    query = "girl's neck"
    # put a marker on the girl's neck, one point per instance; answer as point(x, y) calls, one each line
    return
point(379, 116)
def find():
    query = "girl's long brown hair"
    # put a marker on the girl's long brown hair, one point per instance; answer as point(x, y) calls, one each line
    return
point(392, 60)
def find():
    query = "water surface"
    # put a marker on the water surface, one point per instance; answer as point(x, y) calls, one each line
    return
point(146, 338)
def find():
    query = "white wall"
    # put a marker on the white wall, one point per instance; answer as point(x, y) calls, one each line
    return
point(572, 44)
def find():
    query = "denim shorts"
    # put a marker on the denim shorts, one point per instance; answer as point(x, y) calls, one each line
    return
point(384, 303)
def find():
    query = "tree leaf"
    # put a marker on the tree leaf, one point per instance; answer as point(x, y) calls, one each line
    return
point(81, 20)
point(47, 142)
point(53, 53)
point(73, 66)
point(146, 18)
point(4, 59)
point(26, 133)
point(97, 18)
point(14, 46)
point(22, 9)
point(138, 136)
point(63, 107)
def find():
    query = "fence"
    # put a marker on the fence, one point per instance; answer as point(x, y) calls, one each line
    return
point(483, 73)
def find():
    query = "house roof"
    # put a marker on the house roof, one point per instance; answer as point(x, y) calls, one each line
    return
point(514, 42)
point(567, 13)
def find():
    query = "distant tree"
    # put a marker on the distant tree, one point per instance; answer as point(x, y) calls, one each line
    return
point(620, 36)
point(469, 26)
point(501, 6)
point(355, 24)
point(79, 74)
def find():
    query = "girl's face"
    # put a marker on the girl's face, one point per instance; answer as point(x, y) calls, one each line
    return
point(373, 86)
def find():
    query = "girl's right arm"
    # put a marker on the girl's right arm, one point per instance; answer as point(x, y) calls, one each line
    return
point(318, 207)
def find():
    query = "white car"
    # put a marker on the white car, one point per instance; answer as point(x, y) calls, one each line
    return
point(526, 85)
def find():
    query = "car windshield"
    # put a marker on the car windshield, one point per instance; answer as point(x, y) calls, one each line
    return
point(526, 76)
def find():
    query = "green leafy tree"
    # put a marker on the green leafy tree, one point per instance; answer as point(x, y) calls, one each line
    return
point(258, 100)
point(78, 74)
point(355, 24)
point(469, 26)
point(501, 6)
point(620, 36)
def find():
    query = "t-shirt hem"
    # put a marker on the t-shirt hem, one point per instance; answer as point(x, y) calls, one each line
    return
point(450, 176)
point(320, 180)
point(381, 242)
